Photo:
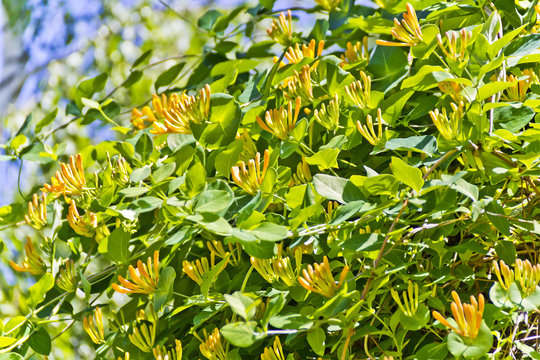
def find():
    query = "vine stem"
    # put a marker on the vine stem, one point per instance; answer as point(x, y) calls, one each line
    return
point(396, 219)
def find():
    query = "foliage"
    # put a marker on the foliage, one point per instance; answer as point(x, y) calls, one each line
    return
point(334, 204)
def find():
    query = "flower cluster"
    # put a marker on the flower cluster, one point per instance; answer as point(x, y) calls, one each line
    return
point(273, 353)
point(251, 177)
point(356, 53)
point(368, 131)
point(464, 36)
point(518, 92)
point(83, 225)
point(302, 174)
point(318, 278)
point(329, 5)
point(410, 299)
point(300, 86)
point(144, 278)
point(196, 269)
point(468, 317)
point(360, 91)
point(67, 277)
point(93, 325)
point(279, 267)
point(32, 262)
point(525, 274)
point(174, 353)
point(213, 348)
point(37, 212)
point(449, 126)
point(408, 31)
point(280, 122)
point(281, 29)
point(328, 116)
point(144, 333)
point(70, 180)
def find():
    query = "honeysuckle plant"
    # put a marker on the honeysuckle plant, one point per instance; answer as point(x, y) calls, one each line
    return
point(292, 192)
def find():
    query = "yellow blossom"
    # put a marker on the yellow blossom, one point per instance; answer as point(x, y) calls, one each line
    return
point(299, 85)
point(318, 278)
point(408, 31)
point(161, 352)
point(360, 91)
point(329, 5)
point(70, 180)
point(356, 53)
point(328, 116)
point(32, 262)
point(144, 278)
point(368, 131)
point(37, 212)
point(410, 299)
point(82, 225)
point(251, 177)
point(302, 175)
point(67, 277)
point(454, 38)
point(451, 88)
point(93, 325)
point(273, 353)
point(213, 348)
point(280, 122)
point(249, 149)
point(518, 92)
point(144, 333)
point(196, 269)
point(281, 29)
point(468, 317)
point(449, 126)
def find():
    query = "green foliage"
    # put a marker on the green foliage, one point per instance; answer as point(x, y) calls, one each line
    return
point(286, 209)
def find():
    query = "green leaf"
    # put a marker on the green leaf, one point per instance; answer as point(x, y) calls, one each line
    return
point(492, 88)
point(195, 180)
point(40, 342)
point(501, 223)
point(133, 191)
point(165, 288)
point(506, 251)
point(11, 355)
point(6, 341)
point(364, 242)
point(317, 340)
point(241, 334)
point(460, 346)
point(429, 42)
point(163, 172)
point(208, 20)
point(117, 245)
point(407, 174)
point(37, 292)
point(417, 321)
point(241, 305)
point(426, 144)
point(223, 125)
point(144, 147)
point(168, 76)
point(384, 184)
point(142, 58)
point(324, 159)
point(425, 78)
point(46, 120)
point(336, 188)
point(133, 78)
point(268, 231)
point(525, 45)
point(511, 118)
point(229, 157)
point(140, 174)
point(213, 201)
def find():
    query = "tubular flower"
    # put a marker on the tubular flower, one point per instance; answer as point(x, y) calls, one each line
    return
point(300, 86)
point(175, 353)
point(67, 278)
point(451, 88)
point(281, 29)
point(213, 348)
point(467, 316)
point(181, 111)
point(302, 175)
point(126, 356)
point(507, 277)
point(37, 212)
point(464, 36)
point(120, 170)
point(329, 5)
point(518, 92)
point(284, 270)
point(216, 248)
point(280, 122)
point(368, 131)
point(273, 353)
point(32, 263)
point(265, 269)
point(358, 93)
point(328, 116)
point(251, 178)
point(70, 180)
point(410, 300)
point(408, 31)
point(196, 269)
point(144, 278)
point(296, 54)
point(141, 119)
point(356, 53)
point(527, 275)
point(450, 128)
point(93, 325)
point(83, 225)
point(144, 334)
point(249, 149)
point(102, 232)
point(318, 278)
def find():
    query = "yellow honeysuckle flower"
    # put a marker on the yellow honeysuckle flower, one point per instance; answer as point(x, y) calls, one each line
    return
point(451, 88)
point(360, 91)
point(328, 116)
point(264, 268)
point(356, 53)
point(280, 122)
point(329, 5)
point(467, 316)
point(300, 86)
point(83, 225)
point(518, 92)
point(217, 249)
point(410, 299)
point(525, 274)
point(318, 278)
point(70, 180)
point(302, 175)
point(161, 352)
point(249, 149)
point(464, 36)
point(144, 333)
point(449, 127)
point(273, 353)
point(251, 177)
point(67, 277)
point(144, 278)
point(120, 170)
point(296, 54)
point(196, 269)
point(368, 131)
point(213, 348)
point(126, 356)
point(32, 263)
point(93, 325)
point(408, 31)
point(281, 29)
point(37, 212)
